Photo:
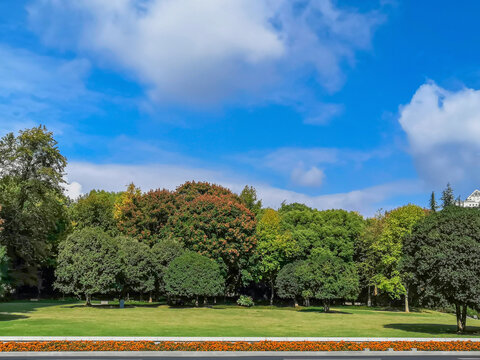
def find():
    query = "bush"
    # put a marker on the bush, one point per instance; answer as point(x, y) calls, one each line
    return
point(246, 301)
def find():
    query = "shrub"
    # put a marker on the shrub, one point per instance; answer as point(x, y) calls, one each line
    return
point(246, 301)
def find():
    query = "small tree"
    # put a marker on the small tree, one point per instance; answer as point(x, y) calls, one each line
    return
point(433, 202)
point(327, 277)
point(192, 275)
point(87, 264)
point(249, 198)
point(448, 198)
point(162, 254)
point(288, 283)
point(136, 269)
point(443, 256)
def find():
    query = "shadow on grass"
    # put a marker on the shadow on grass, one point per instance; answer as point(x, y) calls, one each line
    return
point(11, 317)
point(25, 306)
point(320, 311)
point(433, 329)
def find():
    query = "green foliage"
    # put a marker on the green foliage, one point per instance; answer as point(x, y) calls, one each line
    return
point(33, 205)
point(288, 283)
point(245, 301)
point(136, 268)
point(448, 199)
point(327, 277)
point(218, 227)
point(249, 198)
point(398, 225)
point(3, 271)
point(144, 216)
point(88, 263)
point(192, 275)
point(443, 256)
point(95, 209)
point(192, 189)
point(162, 254)
point(433, 202)
point(274, 248)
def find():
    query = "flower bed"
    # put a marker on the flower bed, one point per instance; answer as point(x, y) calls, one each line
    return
point(238, 346)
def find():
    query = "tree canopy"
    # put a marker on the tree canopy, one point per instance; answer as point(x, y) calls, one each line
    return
point(443, 256)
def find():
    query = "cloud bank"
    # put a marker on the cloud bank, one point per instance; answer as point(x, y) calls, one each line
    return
point(206, 51)
point(443, 129)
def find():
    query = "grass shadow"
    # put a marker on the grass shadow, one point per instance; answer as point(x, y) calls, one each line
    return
point(11, 317)
point(432, 329)
point(320, 311)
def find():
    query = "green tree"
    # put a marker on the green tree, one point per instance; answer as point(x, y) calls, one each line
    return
point(249, 198)
point(448, 198)
point(389, 250)
point(443, 256)
point(87, 264)
point(366, 256)
point(288, 282)
point(95, 209)
point(136, 268)
point(3, 271)
point(163, 253)
point(274, 249)
point(433, 202)
point(327, 277)
point(192, 275)
point(33, 204)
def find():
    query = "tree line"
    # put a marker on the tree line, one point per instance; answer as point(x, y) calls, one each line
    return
point(202, 241)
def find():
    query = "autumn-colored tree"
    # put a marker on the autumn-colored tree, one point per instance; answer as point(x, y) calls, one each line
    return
point(192, 189)
point(144, 216)
point(217, 226)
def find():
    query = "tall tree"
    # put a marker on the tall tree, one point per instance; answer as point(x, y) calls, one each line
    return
point(288, 282)
point(249, 198)
point(95, 209)
point(162, 254)
point(3, 271)
point(443, 256)
point(33, 204)
point(448, 198)
point(274, 248)
point(218, 226)
point(399, 224)
point(88, 264)
point(433, 203)
point(144, 215)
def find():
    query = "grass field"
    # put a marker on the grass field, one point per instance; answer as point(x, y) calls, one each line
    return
point(73, 319)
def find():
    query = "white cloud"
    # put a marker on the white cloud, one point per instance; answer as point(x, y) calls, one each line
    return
point(203, 51)
point(443, 129)
point(312, 177)
point(115, 177)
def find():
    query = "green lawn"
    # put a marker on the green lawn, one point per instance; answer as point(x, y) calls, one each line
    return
point(73, 319)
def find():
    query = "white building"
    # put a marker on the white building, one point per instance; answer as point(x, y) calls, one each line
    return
point(472, 201)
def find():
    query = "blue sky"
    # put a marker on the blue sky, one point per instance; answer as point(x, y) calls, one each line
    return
point(359, 105)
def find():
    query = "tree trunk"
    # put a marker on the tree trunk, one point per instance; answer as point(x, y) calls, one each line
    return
point(196, 301)
point(407, 308)
point(204, 300)
point(369, 298)
point(326, 306)
point(295, 302)
point(150, 298)
point(214, 299)
point(272, 292)
point(88, 300)
point(461, 312)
